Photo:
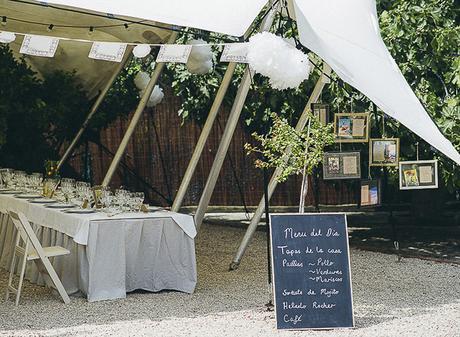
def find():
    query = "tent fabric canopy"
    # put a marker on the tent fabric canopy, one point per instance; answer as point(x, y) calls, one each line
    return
point(346, 35)
point(223, 16)
point(71, 55)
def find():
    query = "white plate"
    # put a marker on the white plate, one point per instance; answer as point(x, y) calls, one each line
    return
point(28, 196)
point(59, 206)
point(155, 208)
point(80, 211)
point(9, 192)
point(42, 201)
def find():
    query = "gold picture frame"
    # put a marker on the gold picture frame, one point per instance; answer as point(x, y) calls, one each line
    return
point(322, 112)
point(384, 152)
point(342, 165)
point(351, 127)
point(418, 174)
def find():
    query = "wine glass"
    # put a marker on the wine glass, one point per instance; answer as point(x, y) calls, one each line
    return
point(138, 200)
point(107, 198)
point(67, 188)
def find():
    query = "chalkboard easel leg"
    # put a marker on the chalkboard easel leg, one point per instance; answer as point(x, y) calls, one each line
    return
point(269, 305)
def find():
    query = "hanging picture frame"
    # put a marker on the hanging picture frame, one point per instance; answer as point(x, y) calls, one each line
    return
point(351, 127)
point(322, 112)
point(341, 165)
point(384, 152)
point(370, 193)
point(417, 175)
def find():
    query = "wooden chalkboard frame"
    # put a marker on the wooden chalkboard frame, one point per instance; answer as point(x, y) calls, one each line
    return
point(274, 271)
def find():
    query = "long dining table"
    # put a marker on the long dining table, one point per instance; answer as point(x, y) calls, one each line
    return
point(110, 255)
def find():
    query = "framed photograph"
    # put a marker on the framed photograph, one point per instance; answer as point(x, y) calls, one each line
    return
point(351, 127)
point(321, 111)
point(384, 152)
point(341, 165)
point(416, 175)
point(370, 193)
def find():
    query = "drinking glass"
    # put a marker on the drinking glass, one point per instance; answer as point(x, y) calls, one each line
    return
point(121, 199)
point(7, 175)
point(36, 180)
point(19, 179)
point(107, 198)
point(67, 188)
point(83, 193)
point(138, 200)
point(49, 186)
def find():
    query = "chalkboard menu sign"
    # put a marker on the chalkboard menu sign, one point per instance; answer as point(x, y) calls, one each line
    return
point(311, 271)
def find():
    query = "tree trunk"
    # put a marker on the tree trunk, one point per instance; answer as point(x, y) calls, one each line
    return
point(303, 191)
point(304, 187)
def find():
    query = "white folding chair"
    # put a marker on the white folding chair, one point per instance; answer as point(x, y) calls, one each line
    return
point(33, 251)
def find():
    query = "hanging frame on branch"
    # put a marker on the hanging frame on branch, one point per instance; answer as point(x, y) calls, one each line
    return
point(341, 165)
point(370, 193)
point(421, 174)
point(383, 151)
point(351, 127)
point(322, 112)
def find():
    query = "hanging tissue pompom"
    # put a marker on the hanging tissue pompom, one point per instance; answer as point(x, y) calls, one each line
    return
point(141, 80)
point(271, 56)
point(156, 96)
point(7, 37)
point(141, 50)
point(200, 59)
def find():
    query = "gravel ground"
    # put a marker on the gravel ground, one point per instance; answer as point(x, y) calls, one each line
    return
point(409, 298)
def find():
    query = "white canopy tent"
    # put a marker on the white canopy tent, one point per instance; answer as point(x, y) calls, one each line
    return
point(343, 33)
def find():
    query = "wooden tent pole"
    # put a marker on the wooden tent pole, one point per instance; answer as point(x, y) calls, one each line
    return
point(136, 117)
point(96, 105)
point(203, 137)
point(233, 118)
point(273, 182)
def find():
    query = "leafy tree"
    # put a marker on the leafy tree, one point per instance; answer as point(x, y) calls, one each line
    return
point(38, 116)
point(292, 152)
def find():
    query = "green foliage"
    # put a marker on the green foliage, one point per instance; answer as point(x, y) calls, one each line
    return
point(305, 148)
point(424, 38)
point(38, 116)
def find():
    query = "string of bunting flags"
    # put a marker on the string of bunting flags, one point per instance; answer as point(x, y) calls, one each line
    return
point(46, 46)
point(266, 53)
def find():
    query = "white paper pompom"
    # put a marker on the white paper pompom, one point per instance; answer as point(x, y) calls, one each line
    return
point(271, 56)
point(141, 80)
point(141, 50)
point(199, 68)
point(156, 96)
point(7, 37)
point(200, 59)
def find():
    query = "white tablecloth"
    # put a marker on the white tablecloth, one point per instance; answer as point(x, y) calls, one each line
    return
point(77, 225)
point(109, 255)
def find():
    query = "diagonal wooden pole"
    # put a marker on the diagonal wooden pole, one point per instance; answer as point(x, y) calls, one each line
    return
point(185, 183)
point(96, 105)
point(135, 119)
point(233, 118)
point(273, 182)
point(203, 137)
